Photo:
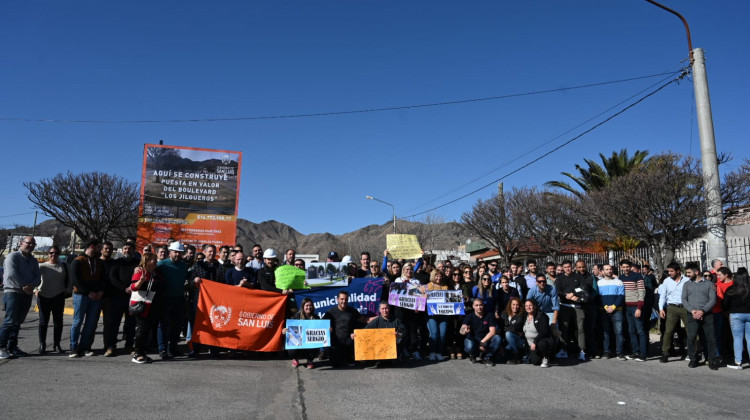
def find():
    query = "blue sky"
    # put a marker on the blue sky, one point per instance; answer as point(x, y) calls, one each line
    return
point(186, 60)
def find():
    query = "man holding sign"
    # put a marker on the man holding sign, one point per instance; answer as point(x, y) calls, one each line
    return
point(387, 320)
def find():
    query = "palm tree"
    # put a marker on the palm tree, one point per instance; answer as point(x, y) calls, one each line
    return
point(597, 176)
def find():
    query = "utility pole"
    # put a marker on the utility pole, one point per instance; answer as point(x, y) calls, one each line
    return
point(716, 235)
point(33, 232)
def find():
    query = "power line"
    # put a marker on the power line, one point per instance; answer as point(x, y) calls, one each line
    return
point(19, 214)
point(526, 153)
point(327, 114)
point(683, 74)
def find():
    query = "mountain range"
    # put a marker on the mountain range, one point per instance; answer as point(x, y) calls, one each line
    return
point(273, 234)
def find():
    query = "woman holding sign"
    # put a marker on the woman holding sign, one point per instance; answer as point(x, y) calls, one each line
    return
point(307, 312)
point(144, 286)
point(414, 320)
point(437, 325)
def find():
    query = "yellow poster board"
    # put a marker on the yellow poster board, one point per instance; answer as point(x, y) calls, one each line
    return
point(375, 344)
point(403, 246)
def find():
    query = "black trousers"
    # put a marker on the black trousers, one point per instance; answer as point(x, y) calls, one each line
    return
point(51, 306)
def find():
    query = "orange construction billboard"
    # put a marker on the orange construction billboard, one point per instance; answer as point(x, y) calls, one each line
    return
point(189, 194)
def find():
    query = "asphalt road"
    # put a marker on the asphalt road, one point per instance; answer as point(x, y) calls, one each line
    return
point(56, 387)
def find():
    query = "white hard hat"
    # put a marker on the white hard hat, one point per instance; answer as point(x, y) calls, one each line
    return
point(176, 246)
point(346, 260)
point(270, 253)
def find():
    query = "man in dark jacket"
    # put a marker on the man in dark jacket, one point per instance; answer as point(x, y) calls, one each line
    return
point(118, 288)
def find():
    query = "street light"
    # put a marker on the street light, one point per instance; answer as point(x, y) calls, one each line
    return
point(717, 240)
point(392, 206)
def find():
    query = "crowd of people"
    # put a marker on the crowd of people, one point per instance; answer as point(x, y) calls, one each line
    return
point(514, 315)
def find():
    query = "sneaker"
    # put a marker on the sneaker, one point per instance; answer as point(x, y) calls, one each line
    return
point(582, 356)
point(596, 356)
point(621, 357)
point(88, 353)
point(733, 365)
point(295, 363)
point(18, 352)
point(664, 358)
point(416, 356)
point(74, 354)
point(545, 363)
point(109, 353)
point(562, 354)
point(607, 356)
point(472, 359)
point(163, 355)
point(140, 359)
point(5, 354)
point(713, 365)
point(693, 364)
point(489, 362)
point(432, 356)
point(631, 356)
point(640, 359)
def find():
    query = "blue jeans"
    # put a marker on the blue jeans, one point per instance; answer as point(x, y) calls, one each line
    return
point(611, 322)
point(740, 325)
point(515, 343)
point(471, 346)
point(86, 315)
point(16, 307)
point(170, 323)
point(638, 333)
point(437, 326)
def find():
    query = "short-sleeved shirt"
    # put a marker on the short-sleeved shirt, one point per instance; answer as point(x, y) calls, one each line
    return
point(480, 327)
point(343, 322)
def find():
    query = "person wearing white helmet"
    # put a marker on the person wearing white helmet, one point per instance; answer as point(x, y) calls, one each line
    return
point(174, 271)
point(266, 276)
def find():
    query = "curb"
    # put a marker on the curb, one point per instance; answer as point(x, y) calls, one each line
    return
point(66, 310)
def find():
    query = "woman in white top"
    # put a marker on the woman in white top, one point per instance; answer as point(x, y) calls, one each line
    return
point(50, 297)
point(414, 321)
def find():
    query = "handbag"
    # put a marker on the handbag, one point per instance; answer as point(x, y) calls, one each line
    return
point(140, 299)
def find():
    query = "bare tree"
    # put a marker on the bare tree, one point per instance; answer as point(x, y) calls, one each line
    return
point(496, 221)
point(552, 221)
point(93, 204)
point(428, 230)
point(662, 205)
point(735, 189)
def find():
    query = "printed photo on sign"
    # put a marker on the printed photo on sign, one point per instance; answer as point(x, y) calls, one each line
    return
point(331, 274)
point(407, 295)
point(307, 333)
point(445, 302)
